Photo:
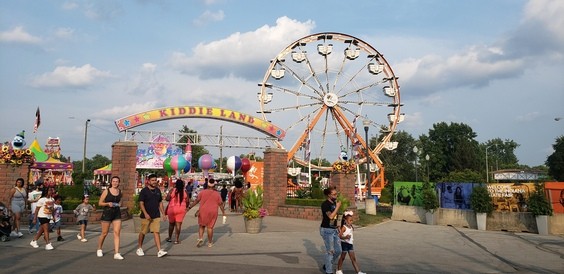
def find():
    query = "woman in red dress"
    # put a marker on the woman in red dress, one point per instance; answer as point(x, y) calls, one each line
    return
point(176, 210)
point(210, 201)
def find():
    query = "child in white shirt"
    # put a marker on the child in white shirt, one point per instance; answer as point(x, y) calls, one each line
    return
point(346, 236)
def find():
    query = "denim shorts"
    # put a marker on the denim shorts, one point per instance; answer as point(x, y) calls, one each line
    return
point(346, 247)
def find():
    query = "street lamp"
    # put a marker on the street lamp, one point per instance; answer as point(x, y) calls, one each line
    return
point(487, 167)
point(84, 149)
point(427, 161)
point(416, 151)
point(366, 124)
point(369, 202)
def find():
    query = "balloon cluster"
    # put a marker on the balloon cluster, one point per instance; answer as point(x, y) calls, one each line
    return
point(178, 163)
point(235, 163)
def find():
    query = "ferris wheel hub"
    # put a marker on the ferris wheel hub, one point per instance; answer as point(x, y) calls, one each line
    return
point(330, 99)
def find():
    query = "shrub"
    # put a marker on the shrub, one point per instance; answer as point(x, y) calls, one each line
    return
point(430, 200)
point(480, 200)
point(538, 203)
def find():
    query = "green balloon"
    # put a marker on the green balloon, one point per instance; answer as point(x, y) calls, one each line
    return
point(166, 166)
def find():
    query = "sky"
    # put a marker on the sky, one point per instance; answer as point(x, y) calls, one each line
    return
point(495, 65)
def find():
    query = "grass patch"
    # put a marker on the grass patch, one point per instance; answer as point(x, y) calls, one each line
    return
point(366, 220)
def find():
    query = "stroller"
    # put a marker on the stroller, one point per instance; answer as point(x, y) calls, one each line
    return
point(5, 226)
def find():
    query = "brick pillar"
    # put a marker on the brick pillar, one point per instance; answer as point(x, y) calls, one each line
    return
point(8, 175)
point(123, 165)
point(345, 186)
point(274, 179)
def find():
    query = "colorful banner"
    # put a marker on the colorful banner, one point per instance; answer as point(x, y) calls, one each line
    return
point(454, 195)
point(255, 173)
point(408, 193)
point(556, 194)
point(166, 113)
point(510, 197)
point(154, 156)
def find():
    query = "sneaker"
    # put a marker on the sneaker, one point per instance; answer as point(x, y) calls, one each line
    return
point(99, 253)
point(140, 252)
point(13, 234)
point(339, 272)
point(60, 239)
point(84, 240)
point(49, 246)
point(20, 234)
point(118, 256)
point(161, 253)
point(199, 243)
point(34, 244)
point(78, 236)
point(360, 272)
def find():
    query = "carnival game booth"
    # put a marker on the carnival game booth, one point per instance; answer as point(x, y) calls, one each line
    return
point(102, 175)
point(55, 172)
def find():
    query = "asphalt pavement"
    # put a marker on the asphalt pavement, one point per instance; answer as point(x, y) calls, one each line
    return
point(292, 245)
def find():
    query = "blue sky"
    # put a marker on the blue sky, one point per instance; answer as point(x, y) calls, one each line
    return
point(495, 65)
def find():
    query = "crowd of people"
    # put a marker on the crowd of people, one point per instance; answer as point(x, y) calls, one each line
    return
point(46, 211)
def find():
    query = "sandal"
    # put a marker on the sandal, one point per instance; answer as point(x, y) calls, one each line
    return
point(210, 244)
point(200, 243)
point(168, 240)
point(176, 242)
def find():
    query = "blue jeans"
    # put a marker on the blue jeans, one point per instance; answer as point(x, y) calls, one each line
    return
point(332, 247)
point(31, 225)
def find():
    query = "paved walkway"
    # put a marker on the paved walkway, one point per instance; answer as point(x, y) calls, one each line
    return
point(292, 245)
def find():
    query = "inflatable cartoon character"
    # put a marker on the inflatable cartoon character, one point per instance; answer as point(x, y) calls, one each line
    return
point(19, 142)
point(343, 156)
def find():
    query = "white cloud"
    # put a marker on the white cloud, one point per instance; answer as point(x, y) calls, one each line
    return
point(528, 117)
point(209, 16)
point(69, 5)
point(540, 36)
point(64, 33)
point(146, 82)
point(64, 76)
point(124, 110)
point(218, 59)
point(19, 35)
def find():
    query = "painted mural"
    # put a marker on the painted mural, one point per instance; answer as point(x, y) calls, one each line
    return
point(408, 193)
point(154, 155)
point(556, 193)
point(510, 197)
point(454, 195)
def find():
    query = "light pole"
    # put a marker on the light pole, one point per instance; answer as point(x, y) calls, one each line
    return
point(369, 202)
point(487, 167)
point(416, 151)
point(84, 149)
point(366, 124)
point(427, 161)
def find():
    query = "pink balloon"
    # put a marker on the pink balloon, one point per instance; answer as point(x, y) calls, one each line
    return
point(205, 162)
point(178, 162)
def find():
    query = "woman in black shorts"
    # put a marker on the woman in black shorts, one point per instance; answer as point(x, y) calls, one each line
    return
point(110, 202)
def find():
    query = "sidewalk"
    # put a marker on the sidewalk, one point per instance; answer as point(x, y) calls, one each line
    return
point(293, 245)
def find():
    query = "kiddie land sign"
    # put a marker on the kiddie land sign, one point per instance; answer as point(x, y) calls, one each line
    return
point(166, 113)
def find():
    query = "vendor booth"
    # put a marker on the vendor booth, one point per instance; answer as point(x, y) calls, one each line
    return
point(55, 172)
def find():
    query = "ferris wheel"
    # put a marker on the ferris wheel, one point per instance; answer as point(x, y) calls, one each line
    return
point(324, 86)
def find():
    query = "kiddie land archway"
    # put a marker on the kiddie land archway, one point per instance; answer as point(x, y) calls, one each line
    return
point(178, 112)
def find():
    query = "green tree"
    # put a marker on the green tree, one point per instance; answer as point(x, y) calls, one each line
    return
point(555, 161)
point(90, 165)
point(452, 147)
point(501, 154)
point(192, 137)
point(398, 163)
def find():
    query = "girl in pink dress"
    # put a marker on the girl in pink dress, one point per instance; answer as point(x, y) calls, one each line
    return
point(177, 208)
point(210, 201)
